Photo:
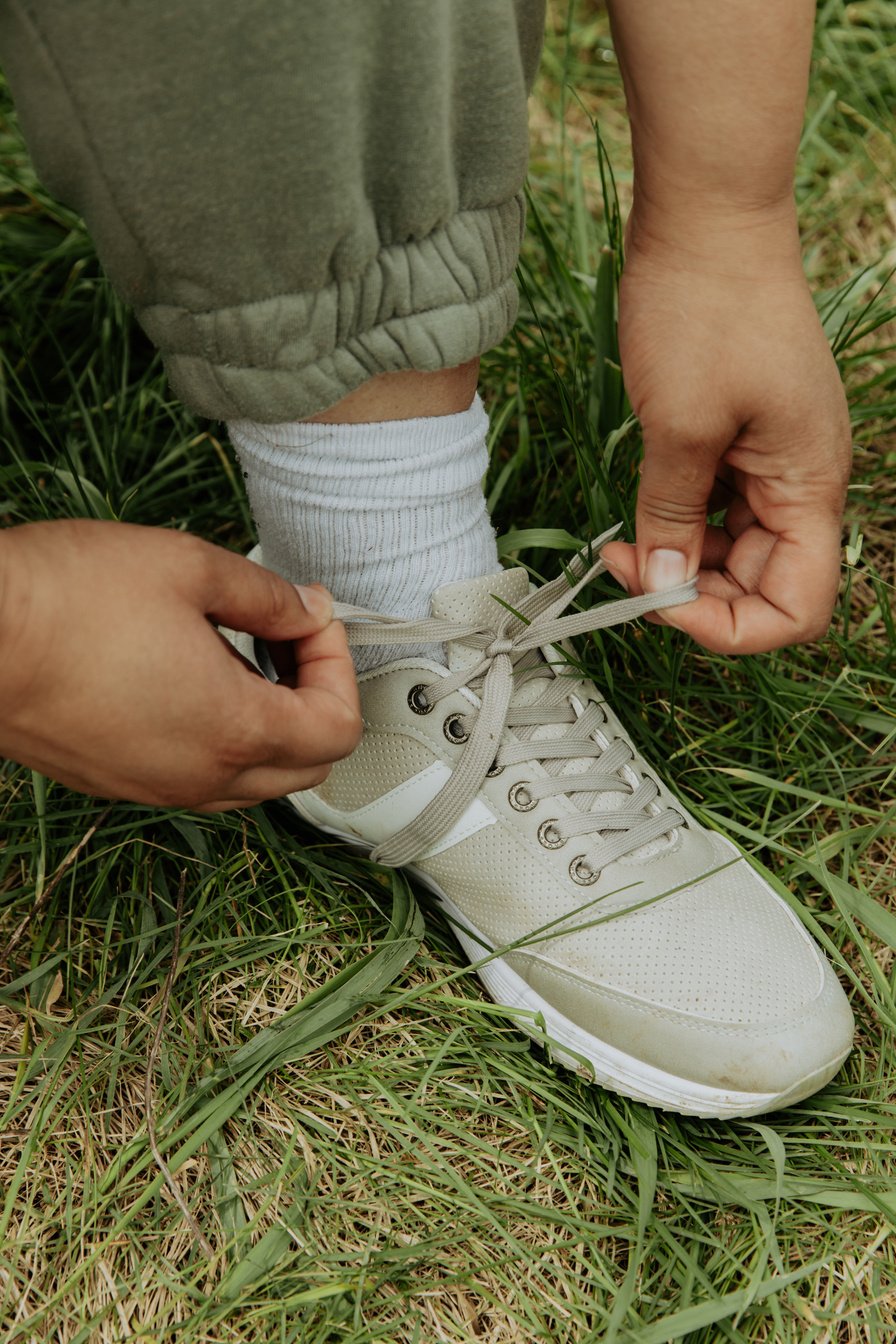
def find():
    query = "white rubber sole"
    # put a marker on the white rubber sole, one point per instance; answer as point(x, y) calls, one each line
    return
point(570, 1045)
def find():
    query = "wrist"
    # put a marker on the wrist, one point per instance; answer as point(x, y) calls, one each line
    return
point(715, 236)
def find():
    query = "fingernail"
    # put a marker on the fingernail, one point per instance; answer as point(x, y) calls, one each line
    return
point(665, 569)
point(316, 603)
point(617, 575)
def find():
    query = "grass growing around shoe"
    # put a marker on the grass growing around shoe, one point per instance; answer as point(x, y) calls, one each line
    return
point(234, 1015)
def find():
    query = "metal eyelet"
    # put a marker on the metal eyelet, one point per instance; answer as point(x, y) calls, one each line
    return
point(581, 872)
point(417, 700)
point(494, 769)
point(520, 799)
point(454, 729)
point(549, 836)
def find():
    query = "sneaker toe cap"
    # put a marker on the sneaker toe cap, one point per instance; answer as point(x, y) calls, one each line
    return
point(786, 1057)
point(718, 982)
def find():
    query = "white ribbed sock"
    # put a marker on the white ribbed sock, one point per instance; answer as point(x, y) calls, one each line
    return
point(382, 514)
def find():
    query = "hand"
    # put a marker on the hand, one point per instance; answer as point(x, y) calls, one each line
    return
point(742, 408)
point(114, 680)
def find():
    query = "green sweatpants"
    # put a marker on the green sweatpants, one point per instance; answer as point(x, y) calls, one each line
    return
point(294, 195)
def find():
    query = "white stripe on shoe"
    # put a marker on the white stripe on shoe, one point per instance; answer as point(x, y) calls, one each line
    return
point(388, 814)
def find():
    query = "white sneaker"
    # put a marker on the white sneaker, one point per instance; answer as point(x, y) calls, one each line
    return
point(641, 948)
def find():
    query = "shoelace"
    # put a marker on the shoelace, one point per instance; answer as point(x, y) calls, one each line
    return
point(510, 658)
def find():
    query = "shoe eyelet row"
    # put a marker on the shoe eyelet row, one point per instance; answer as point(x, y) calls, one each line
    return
point(581, 872)
point(417, 700)
point(549, 836)
point(454, 729)
point(520, 799)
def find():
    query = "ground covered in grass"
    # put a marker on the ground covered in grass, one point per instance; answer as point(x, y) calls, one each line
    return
point(241, 1098)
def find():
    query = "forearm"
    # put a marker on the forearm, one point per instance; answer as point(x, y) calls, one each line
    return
point(715, 90)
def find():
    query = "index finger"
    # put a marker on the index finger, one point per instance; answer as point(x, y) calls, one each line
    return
point(795, 596)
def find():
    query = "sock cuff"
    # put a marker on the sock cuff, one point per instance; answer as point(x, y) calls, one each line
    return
point(426, 460)
point(383, 514)
point(377, 441)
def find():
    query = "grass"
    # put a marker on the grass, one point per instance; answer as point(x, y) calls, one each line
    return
point(369, 1149)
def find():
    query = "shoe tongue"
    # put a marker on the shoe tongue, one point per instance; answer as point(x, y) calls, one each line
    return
point(473, 600)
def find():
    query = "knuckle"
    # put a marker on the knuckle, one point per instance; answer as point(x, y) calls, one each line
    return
point(196, 564)
point(816, 630)
point(676, 491)
point(279, 598)
point(683, 437)
point(672, 511)
point(671, 437)
point(197, 554)
point(243, 747)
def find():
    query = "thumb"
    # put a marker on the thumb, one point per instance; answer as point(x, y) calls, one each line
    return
point(246, 596)
point(673, 496)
